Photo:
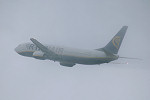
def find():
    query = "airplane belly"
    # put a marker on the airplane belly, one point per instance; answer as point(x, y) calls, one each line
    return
point(85, 60)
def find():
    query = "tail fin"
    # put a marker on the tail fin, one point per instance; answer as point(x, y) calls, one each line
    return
point(114, 45)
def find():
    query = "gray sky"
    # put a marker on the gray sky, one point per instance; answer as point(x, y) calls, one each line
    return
point(86, 24)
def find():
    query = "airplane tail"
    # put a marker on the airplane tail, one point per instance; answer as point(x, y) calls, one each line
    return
point(114, 45)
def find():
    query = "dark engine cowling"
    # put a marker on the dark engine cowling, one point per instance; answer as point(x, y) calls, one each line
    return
point(39, 55)
point(67, 64)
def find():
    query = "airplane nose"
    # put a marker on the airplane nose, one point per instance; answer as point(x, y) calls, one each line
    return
point(16, 49)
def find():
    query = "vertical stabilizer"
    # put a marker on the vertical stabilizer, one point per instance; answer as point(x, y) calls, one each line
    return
point(114, 45)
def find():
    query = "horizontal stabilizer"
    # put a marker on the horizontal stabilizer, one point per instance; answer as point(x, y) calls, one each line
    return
point(130, 58)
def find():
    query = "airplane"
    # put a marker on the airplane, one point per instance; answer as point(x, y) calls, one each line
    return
point(70, 56)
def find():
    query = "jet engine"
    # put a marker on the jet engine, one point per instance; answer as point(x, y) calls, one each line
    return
point(39, 55)
point(67, 64)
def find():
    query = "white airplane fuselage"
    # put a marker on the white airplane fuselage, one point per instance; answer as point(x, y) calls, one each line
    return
point(65, 55)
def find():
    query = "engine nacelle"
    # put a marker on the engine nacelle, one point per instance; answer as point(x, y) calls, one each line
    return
point(39, 55)
point(67, 64)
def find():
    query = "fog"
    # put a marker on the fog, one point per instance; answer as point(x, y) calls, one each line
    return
point(84, 24)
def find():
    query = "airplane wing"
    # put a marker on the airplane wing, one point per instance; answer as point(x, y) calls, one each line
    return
point(44, 49)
